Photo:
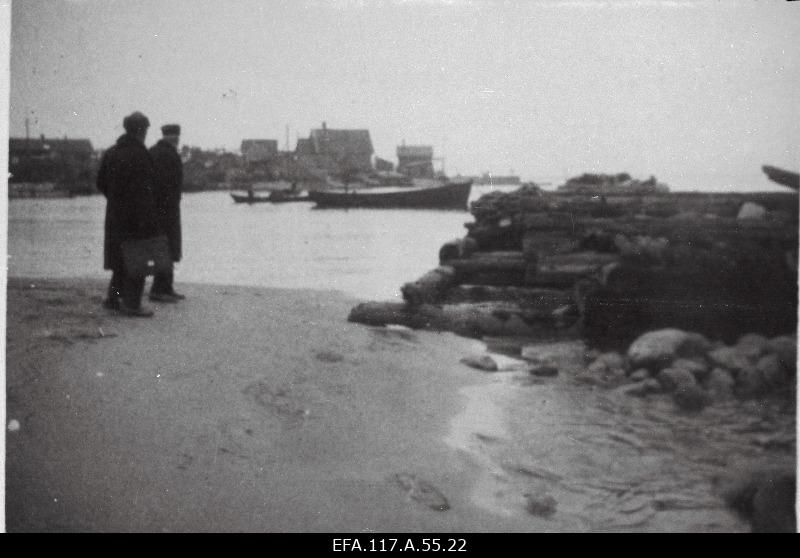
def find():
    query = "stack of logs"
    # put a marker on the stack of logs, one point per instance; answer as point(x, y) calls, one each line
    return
point(608, 268)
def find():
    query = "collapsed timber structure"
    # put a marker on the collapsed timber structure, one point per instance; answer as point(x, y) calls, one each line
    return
point(607, 268)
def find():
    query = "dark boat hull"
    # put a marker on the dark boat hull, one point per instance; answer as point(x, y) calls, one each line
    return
point(247, 199)
point(453, 195)
point(239, 198)
point(787, 178)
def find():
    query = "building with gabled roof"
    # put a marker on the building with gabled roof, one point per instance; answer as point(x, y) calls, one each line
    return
point(334, 151)
point(415, 161)
point(257, 150)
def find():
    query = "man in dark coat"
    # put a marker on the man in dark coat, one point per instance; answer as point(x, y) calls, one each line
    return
point(167, 195)
point(126, 178)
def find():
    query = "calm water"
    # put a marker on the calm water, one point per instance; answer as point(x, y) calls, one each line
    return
point(365, 253)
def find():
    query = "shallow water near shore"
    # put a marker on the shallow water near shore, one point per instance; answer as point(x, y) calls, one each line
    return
point(608, 461)
point(368, 254)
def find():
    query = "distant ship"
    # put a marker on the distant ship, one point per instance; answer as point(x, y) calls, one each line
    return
point(452, 194)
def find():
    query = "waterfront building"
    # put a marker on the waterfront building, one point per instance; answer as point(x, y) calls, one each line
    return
point(415, 161)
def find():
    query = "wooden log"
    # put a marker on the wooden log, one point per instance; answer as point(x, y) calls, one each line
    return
point(536, 243)
point(492, 319)
point(545, 299)
point(586, 258)
point(458, 248)
point(490, 261)
point(430, 287)
point(491, 268)
point(386, 313)
point(471, 320)
point(492, 237)
point(552, 221)
point(562, 271)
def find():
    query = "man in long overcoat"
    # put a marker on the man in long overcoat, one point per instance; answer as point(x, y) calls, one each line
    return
point(167, 195)
point(127, 178)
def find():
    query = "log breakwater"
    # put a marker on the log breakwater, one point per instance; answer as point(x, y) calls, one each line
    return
point(607, 268)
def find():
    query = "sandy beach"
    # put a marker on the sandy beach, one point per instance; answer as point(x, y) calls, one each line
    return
point(240, 409)
point(264, 410)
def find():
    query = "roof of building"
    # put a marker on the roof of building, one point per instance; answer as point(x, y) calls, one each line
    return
point(328, 141)
point(414, 151)
point(270, 144)
point(304, 147)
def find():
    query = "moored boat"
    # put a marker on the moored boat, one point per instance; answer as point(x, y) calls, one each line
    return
point(450, 195)
point(248, 198)
point(784, 177)
point(277, 196)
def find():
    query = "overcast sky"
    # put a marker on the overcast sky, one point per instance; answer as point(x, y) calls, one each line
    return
point(689, 91)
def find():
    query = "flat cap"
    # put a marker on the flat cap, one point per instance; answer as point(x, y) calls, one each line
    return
point(135, 122)
point(171, 130)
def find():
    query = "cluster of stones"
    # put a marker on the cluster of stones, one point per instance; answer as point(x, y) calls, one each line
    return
point(697, 372)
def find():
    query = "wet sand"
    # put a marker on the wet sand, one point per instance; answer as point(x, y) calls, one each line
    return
point(239, 409)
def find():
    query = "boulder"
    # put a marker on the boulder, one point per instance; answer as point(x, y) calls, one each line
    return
point(750, 382)
point(611, 360)
point(697, 367)
point(752, 345)
point(720, 384)
point(785, 346)
point(691, 397)
point(640, 374)
point(674, 378)
point(772, 370)
point(765, 497)
point(481, 362)
point(603, 373)
point(750, 210)
point(659, 348)
point(730, 358)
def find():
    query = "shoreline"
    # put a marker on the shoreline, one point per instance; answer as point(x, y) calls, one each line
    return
point(253, 409)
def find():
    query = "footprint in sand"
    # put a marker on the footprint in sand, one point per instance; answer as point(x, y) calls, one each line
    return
point(328, 356)
point(422, 491)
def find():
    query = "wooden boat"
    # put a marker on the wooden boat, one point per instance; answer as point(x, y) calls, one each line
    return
point(784, 177)
point(277, 196)
point(450, 195)
point(245, 198)
point(284, 196)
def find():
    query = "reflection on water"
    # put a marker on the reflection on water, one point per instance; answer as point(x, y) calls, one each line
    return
point(368, 254)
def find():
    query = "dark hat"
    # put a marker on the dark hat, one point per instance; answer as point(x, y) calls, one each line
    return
point(171, 130)
point(135, 122)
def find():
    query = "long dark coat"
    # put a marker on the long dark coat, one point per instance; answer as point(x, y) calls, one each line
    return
point(127, 179)
point(167, 195)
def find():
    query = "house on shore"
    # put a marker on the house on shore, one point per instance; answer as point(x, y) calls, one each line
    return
point(65, 164)
point(259, 150)
point(415, 161)
point(328, 151)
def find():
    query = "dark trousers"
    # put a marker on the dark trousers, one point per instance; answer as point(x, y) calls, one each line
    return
point(128, 289)
point(162, 283)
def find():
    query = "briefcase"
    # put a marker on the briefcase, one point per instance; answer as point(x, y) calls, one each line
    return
point(146, 256)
